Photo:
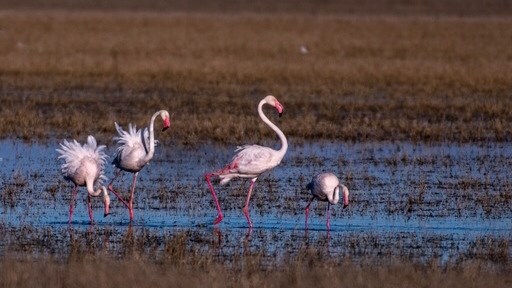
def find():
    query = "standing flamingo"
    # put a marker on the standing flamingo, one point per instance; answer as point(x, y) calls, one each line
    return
point(251, 160)
point(134, 152)
point(326, 187)
point(84, 165)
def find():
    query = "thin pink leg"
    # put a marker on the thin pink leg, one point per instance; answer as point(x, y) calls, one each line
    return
point(307, 212)
point(246, 207)
point(72, 203)
point(130, 207)
point(328, 212)
point(219, 216)
point(111, 189)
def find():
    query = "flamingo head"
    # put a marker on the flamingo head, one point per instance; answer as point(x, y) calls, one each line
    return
point(165, 117)
point(273, 101)
point(106, 201)
point(345, 196)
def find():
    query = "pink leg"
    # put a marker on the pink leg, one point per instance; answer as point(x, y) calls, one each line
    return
point(307, 212)
point(89, 207)
point(219, 216)
point(111, 189)
point(328, 212)
point(130, 207)
point(72, 203)
point(246, 207)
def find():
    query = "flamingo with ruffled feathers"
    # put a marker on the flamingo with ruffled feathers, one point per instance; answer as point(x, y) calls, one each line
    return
point(136, 149)
point(251, 161)
point(326, 187)
point(84, 166)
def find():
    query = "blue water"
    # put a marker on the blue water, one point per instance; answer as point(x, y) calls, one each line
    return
point(431, 198)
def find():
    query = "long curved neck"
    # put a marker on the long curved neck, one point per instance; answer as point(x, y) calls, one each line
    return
point(151, 150)
point(90, 189)
point(284, 142)
point(335, 196)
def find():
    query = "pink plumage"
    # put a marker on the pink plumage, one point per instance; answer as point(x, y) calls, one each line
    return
point(84, 166)
point(326, 187)
point(136, 148)
point(251, 160)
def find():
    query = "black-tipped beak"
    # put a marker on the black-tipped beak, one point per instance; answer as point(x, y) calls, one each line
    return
point(280, 114)
point(345, 206)
point(106, 214)
point(167, 124)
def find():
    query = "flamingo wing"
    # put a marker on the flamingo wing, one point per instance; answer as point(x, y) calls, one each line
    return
point(254, 159)
point(132, 148)
point(128, 139)
point(75, 154)
point(322, 185)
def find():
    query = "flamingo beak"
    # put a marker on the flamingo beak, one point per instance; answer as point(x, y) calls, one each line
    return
point(167, 124)
point(280, 109)
point(345, 200)
point(107, 211)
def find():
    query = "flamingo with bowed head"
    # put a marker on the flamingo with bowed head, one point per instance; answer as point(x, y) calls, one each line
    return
point(326, 187)
point(84, 165)
point(135, 151)
point(251, 160)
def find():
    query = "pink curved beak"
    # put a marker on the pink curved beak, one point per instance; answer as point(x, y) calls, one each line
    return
point(345, 197)
point(279, 108)
point(345, 201)
point(167, 124)
point(107, 211)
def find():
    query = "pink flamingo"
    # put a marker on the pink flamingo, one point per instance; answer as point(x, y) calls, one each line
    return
point(135, 151)
point(251, 160)
point(84, 165)
point(326, 187)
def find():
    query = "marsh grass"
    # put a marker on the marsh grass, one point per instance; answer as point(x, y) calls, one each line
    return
point(12, 188)
point(141, 257)
point(309, 267)
point(366, 78)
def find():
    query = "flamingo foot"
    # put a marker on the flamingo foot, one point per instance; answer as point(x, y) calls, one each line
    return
point(218, 219)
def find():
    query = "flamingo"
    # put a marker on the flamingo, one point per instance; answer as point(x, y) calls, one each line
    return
point(135, 151)
point(84, 165)
point(251, 160)
point(326, 187)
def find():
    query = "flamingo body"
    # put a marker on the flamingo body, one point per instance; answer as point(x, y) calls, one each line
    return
point(136, 149)
point(130, 155)
point(326, 187)
point(250, 161)
point(84, 166)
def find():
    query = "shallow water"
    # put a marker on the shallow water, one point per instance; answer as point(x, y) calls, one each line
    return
point(410, 200)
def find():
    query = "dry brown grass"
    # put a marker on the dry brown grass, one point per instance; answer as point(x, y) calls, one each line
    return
point(366, 78)
point(101, 257)
point(101, 271)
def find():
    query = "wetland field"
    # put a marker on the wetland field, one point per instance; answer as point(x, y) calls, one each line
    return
point(408, 102)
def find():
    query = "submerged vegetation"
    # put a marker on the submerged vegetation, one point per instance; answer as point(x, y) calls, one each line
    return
point(143, 258)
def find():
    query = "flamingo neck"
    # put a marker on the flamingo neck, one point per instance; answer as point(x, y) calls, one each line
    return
point(90, 189)
point(284, 142)
point(106, 198)
point(335, 196)
point(151, 150)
